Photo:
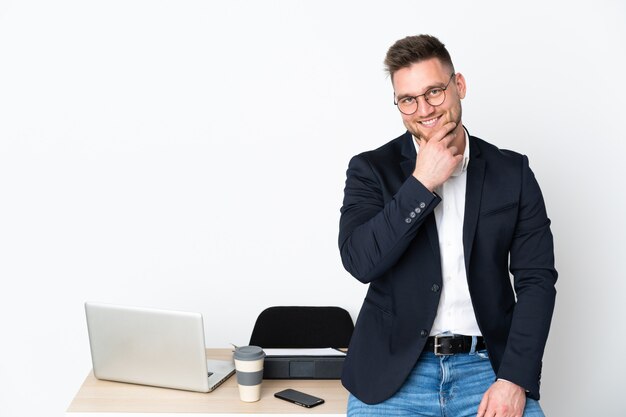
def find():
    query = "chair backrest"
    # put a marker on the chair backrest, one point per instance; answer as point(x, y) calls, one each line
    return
point(302, 327)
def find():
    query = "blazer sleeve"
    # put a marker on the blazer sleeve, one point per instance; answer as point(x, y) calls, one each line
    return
point(534, 275)
point(374, 233)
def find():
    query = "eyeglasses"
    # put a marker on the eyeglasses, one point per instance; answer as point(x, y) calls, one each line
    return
point(435, 97)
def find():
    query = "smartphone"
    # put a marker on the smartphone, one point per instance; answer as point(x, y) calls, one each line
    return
point(300, 398)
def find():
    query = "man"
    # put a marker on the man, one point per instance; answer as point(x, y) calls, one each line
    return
point(433, 221)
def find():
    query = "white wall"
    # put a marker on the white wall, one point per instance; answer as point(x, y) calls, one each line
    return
point(191, 155)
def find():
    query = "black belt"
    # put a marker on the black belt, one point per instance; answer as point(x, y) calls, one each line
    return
point(449, 345)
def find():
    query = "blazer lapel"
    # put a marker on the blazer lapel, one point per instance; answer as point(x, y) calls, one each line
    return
point(409, 155)
point(473, 197)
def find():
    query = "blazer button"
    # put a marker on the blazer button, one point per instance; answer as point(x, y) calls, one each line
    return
point(412, 215)
point(418, 210)
point(407, 220)
point(434, 288)
point(422, 205)
point(424, 333)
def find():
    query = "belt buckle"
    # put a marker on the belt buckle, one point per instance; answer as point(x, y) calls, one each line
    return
point(438, 345)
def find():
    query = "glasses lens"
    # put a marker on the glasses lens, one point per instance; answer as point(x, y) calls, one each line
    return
point(435, 97)
point(407, 105)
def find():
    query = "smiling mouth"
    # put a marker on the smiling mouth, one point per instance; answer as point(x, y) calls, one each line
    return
point(430, 122)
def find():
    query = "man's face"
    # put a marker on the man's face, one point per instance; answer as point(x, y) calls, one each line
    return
point(419, 78)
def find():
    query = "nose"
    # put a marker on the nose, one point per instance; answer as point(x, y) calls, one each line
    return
point(424, 108)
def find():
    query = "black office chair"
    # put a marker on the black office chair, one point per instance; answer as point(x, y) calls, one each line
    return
point(302, 327)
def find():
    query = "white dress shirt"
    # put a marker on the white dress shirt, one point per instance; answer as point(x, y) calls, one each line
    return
point(455, 313)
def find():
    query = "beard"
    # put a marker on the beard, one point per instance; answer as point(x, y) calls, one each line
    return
point(424, 133)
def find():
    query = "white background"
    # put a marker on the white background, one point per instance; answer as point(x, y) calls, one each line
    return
point(191, 155)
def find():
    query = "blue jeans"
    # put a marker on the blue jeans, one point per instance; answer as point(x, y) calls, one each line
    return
point(441, 386)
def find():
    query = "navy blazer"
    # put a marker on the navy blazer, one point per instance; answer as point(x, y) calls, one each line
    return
point(505, 228)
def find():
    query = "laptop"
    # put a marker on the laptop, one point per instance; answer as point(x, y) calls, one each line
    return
point(154, 347)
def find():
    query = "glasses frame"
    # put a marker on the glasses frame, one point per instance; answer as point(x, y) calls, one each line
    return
point(444, 88)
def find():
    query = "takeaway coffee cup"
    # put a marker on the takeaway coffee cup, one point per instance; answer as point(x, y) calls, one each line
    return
point(249, 366)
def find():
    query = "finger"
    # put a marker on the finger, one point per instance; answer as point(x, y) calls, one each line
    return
point(448, 139)
point(454, 150)
point(445, 130)
point(450, 126)
point(482, 407)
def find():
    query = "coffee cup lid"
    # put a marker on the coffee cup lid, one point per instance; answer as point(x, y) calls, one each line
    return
point(249, 353)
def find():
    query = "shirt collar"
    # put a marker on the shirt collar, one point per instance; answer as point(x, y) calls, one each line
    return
point(462, 167)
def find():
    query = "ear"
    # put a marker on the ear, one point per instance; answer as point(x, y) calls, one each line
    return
point(461, 87)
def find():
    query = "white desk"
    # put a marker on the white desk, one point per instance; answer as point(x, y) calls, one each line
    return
point(116, 399)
